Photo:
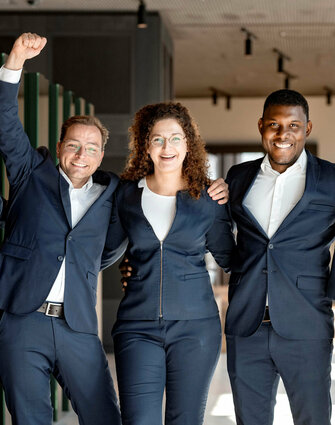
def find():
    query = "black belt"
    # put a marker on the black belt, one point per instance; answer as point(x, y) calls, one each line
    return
point(52, 309)
point(266, 318)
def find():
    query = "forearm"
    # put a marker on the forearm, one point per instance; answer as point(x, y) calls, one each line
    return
point(220, 238)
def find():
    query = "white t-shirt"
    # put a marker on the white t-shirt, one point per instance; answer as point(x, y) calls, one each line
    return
point(159, 210)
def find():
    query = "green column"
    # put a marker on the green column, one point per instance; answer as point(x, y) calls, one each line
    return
point(65, 403)
point(31, 92)
point(88, 108)
point(53, 119)
point(77, 105)
point(54, 398)
point(67, 102)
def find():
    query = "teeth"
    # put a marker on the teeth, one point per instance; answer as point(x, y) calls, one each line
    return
point(167, 156)
point(283, 145)
point(78, 165)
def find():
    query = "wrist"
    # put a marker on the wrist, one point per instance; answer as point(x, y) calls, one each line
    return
point(14, 63)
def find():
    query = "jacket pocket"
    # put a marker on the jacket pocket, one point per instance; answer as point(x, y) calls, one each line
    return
point(16, 251)
point(321, 207)
point(312, 283)
point(195, 275)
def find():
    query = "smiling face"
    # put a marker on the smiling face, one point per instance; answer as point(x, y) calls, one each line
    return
point(284, 130)
point(79, 166)
point(168, 157)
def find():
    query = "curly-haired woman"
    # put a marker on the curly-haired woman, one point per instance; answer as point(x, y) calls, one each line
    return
point(168, 333)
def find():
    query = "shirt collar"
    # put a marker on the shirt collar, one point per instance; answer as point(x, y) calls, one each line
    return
point(87, 186)
point(300, 163)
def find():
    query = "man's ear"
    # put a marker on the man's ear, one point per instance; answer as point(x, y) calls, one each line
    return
point(309, 128)
point(260, 125)
point(58, 149)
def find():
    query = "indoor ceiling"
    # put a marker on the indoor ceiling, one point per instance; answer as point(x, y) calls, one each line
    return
point(209, 43)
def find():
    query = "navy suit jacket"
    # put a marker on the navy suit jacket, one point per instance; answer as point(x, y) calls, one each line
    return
point(38, 230)
point(292, 266)
point(170, 280)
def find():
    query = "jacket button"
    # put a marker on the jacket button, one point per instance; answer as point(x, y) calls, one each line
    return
point(264, 271)
point(60, 258)
point(270, 246)
point(69, 238)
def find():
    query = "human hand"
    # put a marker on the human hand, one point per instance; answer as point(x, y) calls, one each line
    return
point(27, 46)
point(219, 191)
point(125, 270)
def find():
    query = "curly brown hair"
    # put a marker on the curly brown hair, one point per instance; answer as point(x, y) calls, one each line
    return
point(139, 164)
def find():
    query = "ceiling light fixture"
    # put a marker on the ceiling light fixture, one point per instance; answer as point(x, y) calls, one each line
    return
point(287, 80)
point(329, 93)
point(248, 41)
point(215, 96)
point(142, 15)
point(280, 60)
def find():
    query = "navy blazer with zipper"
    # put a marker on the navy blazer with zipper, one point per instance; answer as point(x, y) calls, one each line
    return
point(292, 266)
point(38, 231)
point(170, 279)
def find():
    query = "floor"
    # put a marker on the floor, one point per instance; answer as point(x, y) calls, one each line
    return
point(220, 410)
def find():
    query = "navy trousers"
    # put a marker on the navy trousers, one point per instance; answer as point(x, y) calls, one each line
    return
point(255, 364)
point(31, 348)
point(178, 356)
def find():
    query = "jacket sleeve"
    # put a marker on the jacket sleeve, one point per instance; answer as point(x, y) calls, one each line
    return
point(2, 212)
point(220, 239)
point(19, 156)
point(116, 239)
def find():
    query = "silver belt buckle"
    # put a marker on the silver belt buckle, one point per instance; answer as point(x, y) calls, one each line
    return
point(49, 307)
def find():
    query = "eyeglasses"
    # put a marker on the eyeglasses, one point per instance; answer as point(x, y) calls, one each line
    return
point(74, 147)
point(174, 140)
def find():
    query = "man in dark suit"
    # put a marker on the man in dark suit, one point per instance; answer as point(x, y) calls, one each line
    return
point(280, 320)
point(56, 226)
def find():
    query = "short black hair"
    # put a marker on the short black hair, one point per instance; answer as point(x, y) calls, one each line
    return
point(286, 97)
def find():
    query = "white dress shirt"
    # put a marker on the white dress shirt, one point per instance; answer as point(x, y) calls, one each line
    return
point(159, 210)
point(81, 200)
point(274, 195)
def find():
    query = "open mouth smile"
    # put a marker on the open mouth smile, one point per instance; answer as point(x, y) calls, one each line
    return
point(78, 164)
point(167, 157)
point(283, 145)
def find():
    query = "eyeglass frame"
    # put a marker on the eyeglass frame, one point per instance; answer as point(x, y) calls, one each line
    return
point(80, 145)
point(167, 139)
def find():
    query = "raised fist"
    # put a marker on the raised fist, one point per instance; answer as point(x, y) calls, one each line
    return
point(27, 46)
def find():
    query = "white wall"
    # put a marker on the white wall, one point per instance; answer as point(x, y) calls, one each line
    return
point(239, 124)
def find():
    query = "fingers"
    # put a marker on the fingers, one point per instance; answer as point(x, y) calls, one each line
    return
point(217, 186)
point(222, 193)
point(124, 284)
point(27, 46)
point(33, 41)
point(219, 191)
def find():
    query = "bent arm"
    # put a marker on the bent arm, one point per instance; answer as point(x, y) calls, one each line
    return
point(220, 239)
point(15, 147)
point(116, 239)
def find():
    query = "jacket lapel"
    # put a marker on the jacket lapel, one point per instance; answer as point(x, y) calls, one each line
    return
point(312, 175)
point(244, 187)
point(65, 197)
point(105, 179)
